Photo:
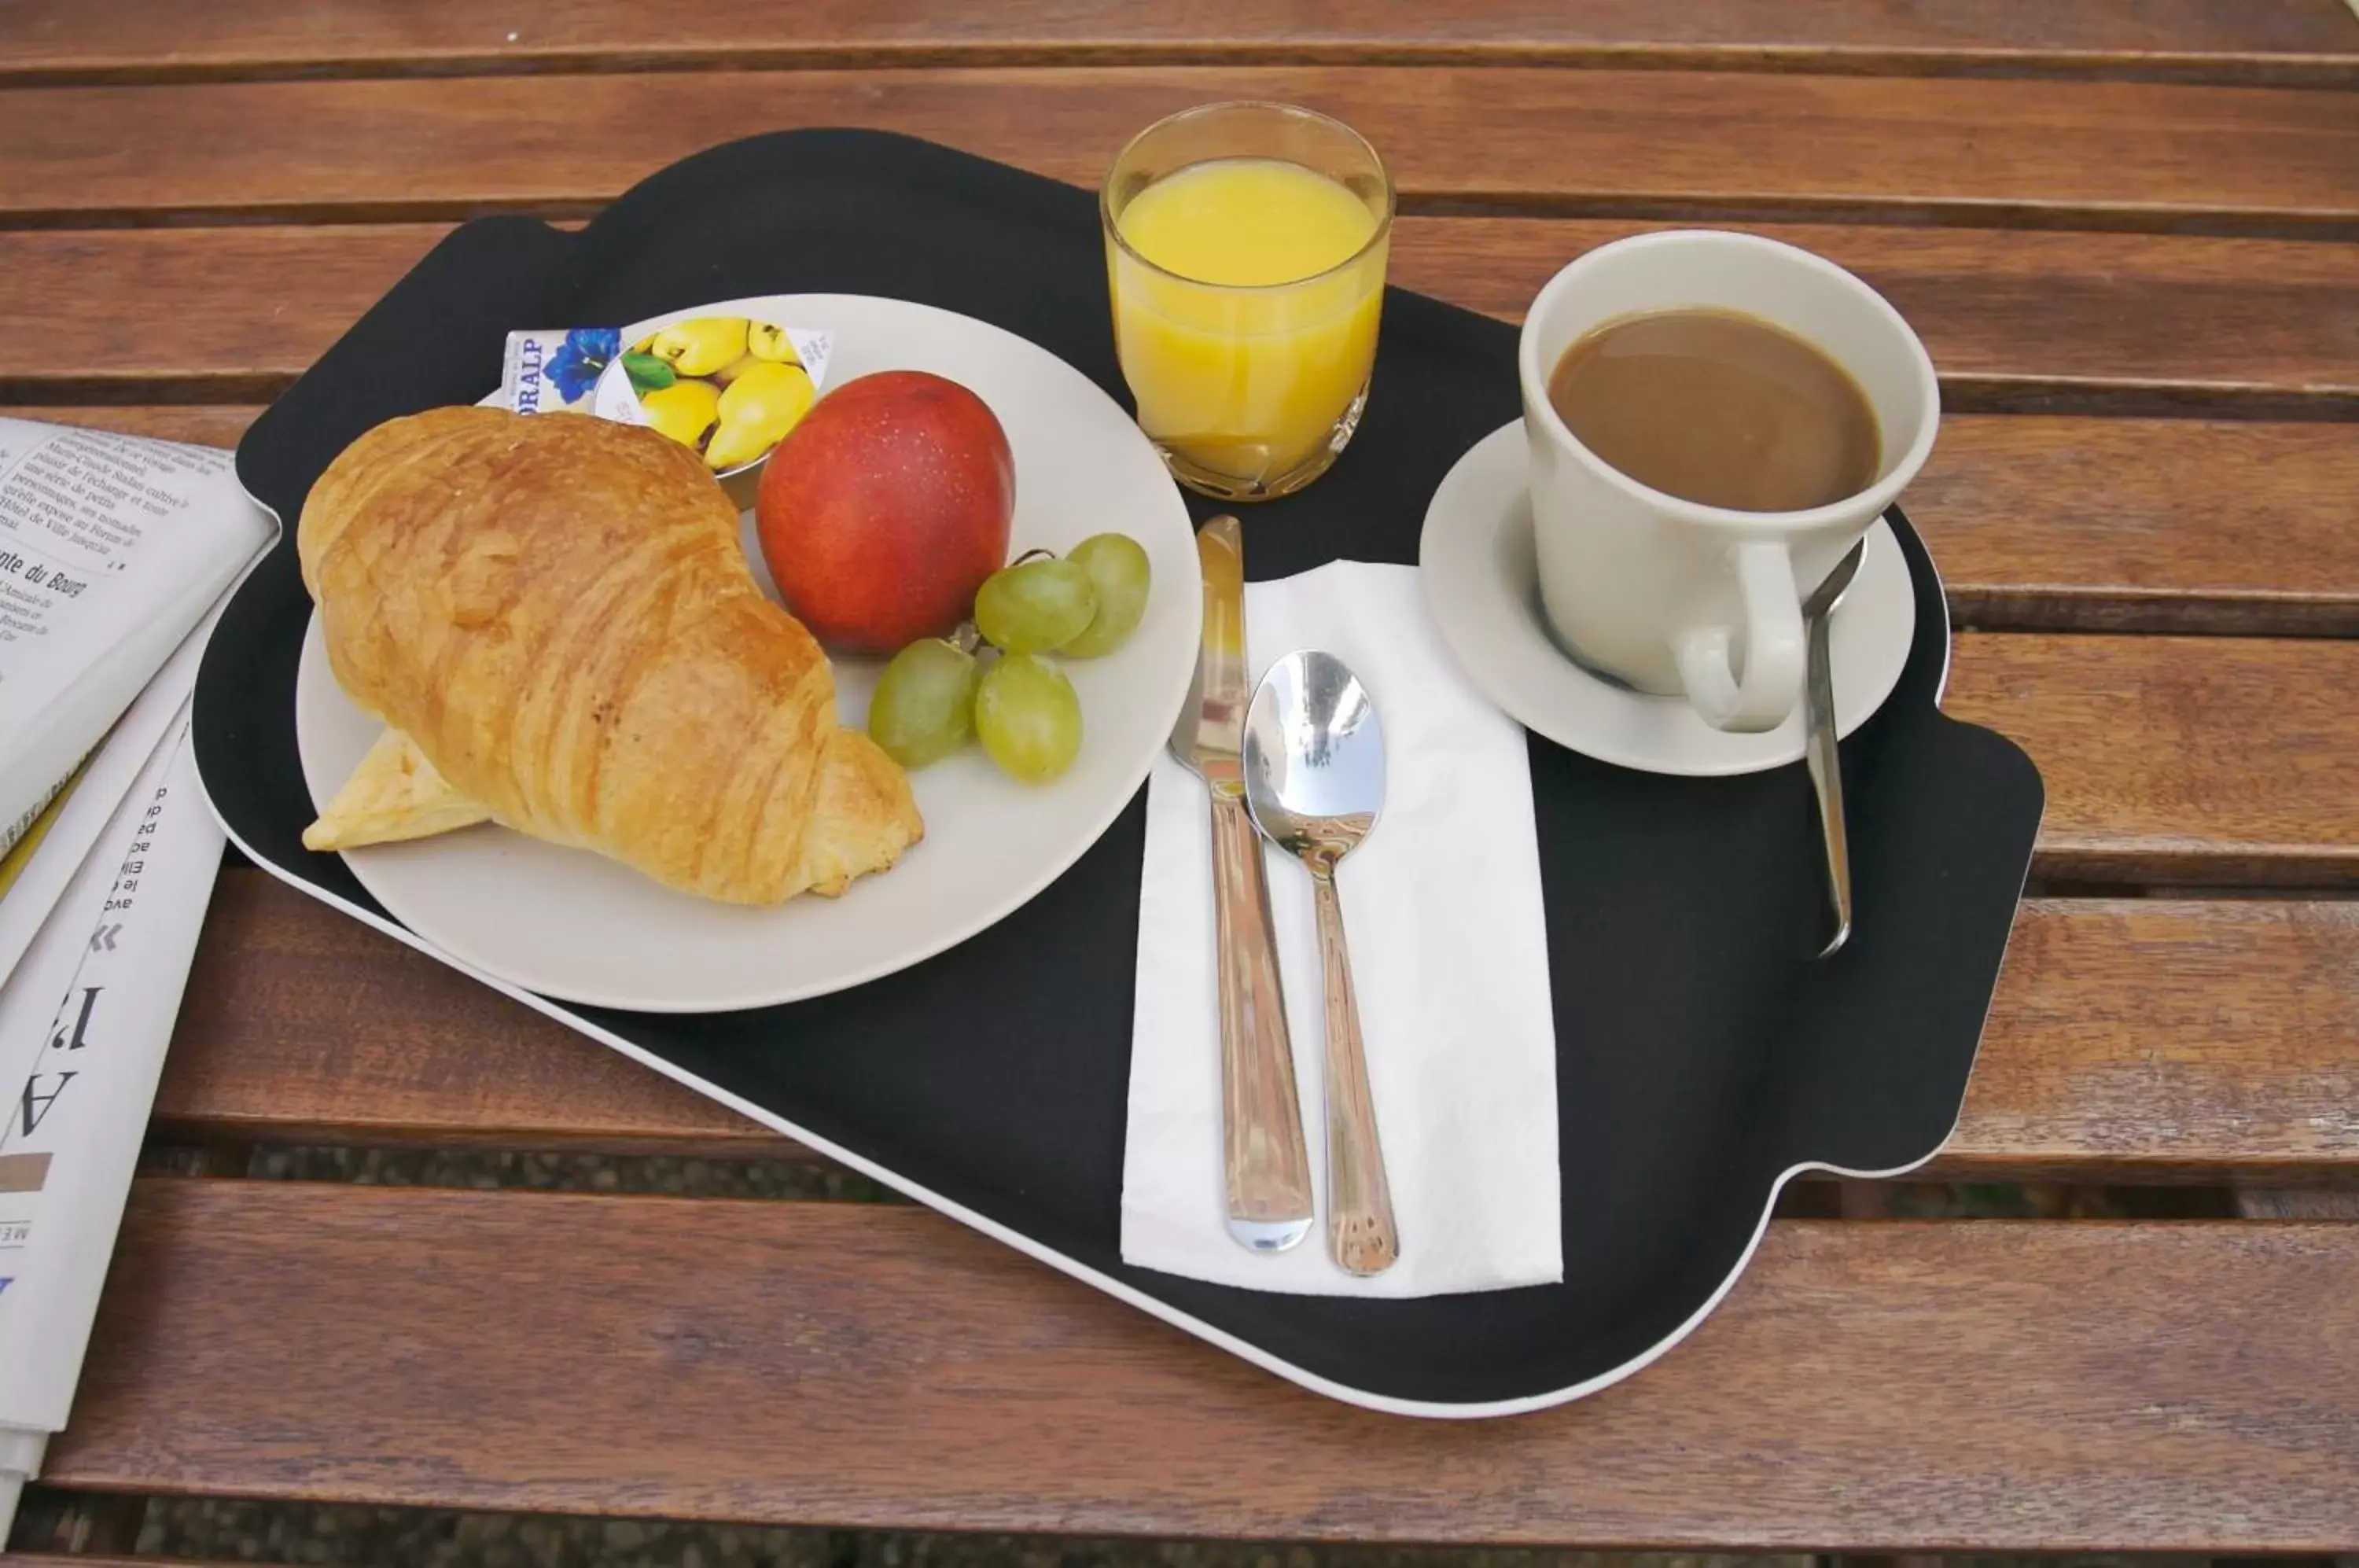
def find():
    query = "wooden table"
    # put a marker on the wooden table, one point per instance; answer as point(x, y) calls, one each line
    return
point(2126, 229)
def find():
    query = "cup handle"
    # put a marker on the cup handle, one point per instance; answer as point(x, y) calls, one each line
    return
point(1773, 647)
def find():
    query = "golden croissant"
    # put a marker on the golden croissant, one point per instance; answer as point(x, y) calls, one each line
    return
point(555, 617)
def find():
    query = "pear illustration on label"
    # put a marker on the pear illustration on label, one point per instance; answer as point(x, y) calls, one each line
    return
point(698, 347)
point(764, 341)
point(757, 411)
point(685, 410)
point(727, 386)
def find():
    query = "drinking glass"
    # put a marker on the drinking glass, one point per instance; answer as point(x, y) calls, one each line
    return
point(1249, 388)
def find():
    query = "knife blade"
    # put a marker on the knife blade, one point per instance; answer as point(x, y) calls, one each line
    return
point(1266, 1164)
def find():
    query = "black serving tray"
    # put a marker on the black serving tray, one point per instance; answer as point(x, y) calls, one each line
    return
point(1703, 1059)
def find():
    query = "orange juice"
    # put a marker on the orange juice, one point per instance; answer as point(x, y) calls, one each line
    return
point(1248, 340)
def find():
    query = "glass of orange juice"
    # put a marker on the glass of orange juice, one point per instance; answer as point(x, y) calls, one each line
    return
point(1245, 248)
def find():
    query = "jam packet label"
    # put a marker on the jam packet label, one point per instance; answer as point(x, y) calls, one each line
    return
point(681, 372)
point(555, 370)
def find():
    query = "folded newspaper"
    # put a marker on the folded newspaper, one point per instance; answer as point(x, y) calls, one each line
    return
point(115, 555)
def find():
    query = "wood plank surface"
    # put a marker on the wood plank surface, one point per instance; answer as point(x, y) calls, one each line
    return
point(2038, 524)
point(300, 1025)
point(2128, 208)
point(91, 1560)
point(2134, 1039)
point(2299, 1203)
point(203, 424)
point(2128, 1041)
point(2124, 155)
point(2018, 1385)
point(52, 40)
point(2011, 318)
point(2178, 760)
point(2145, 525)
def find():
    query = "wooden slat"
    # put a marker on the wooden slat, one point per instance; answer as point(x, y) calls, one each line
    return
point(2129, 1041)
point(204, 424)
point(300, 1025)
point(2136, 1040)
point(2299, 1203)
point(2149, 525)
point(2041, 523)
point(2009, 1385)
point(2037, 523)
point(2011, 317)
point(87, 1560)
point(2090, 154)
point(51, 40)
point(2222, 760)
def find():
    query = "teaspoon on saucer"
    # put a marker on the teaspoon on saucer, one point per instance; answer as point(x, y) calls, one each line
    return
point(1821, 750)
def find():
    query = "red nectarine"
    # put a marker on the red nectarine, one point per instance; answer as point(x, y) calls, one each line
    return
point(884, 511)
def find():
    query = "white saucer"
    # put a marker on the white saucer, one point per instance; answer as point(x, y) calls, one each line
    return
point(1479, 579)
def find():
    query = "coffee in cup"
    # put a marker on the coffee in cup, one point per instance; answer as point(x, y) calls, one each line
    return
point(1714, 419)
point(1718, 406)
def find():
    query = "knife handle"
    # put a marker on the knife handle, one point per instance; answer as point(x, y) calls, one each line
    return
point(1265, 1160)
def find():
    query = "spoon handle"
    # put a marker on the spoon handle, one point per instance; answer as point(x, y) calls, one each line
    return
point(1826, 780)
point(1265, 1161)
point(1359, 1233)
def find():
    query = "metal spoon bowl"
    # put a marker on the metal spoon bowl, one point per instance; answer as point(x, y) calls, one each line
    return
point(1314, 767)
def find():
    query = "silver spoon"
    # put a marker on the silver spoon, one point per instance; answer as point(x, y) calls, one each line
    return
point(1819, 747)
point(1314, 763)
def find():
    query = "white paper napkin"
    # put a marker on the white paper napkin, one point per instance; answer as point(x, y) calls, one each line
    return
point(1442, 907)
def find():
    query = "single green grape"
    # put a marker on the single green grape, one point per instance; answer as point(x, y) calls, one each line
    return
point(1117, 566)
point(924, 705)
point(1028, 717)
point(1036, 605)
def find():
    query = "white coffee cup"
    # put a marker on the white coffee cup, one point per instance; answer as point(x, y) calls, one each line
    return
point(1674, 597)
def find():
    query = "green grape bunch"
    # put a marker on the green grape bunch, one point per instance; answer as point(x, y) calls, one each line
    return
point(937, 693)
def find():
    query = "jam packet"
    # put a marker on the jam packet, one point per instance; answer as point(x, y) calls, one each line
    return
point(724, 381)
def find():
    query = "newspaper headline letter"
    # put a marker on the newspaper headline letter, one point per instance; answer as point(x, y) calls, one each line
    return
point(83, 1026)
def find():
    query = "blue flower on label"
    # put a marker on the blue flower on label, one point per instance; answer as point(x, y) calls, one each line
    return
point(586, 351)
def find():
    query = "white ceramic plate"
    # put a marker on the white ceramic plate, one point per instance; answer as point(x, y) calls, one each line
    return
point(576, 926)
point(1483, 584)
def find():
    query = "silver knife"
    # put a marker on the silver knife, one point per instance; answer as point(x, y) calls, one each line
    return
point(1264, 1161)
